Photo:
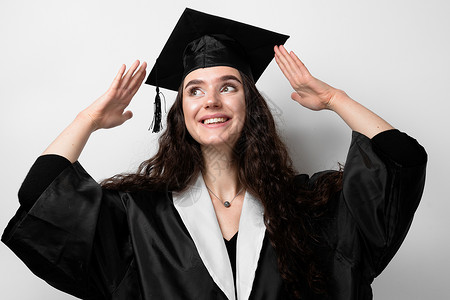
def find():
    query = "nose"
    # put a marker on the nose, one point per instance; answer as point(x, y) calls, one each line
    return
point(213, 101)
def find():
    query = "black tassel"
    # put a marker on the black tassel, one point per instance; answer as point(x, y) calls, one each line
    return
point(156, 123)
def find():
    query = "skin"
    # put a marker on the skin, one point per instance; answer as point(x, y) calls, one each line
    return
point(315, 94)
point(106, 112)
point(220, 171)
point(212, 92)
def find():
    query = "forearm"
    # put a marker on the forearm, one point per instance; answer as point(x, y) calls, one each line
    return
point(106, 112)
point(356, 116)
point(72, 140)
point(315, 94)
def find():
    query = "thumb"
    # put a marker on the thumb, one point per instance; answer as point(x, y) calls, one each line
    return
point(296, 97)
point(127, 115)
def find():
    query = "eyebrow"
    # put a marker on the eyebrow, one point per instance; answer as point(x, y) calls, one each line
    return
point(223, 78)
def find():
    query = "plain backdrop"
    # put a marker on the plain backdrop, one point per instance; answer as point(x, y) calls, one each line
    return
point(392, 56)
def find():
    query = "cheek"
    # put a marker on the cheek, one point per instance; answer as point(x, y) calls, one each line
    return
point(238, 106)
point(189, 111)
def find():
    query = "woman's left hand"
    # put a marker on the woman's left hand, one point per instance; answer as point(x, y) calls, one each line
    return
point(310, 92)
point(317, 95)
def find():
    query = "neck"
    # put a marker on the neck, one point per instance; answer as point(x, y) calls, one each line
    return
point(221, 172)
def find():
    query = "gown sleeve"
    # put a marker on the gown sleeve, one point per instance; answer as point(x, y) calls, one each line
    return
point(45, 169)
point(74, 235)
point(382, 185)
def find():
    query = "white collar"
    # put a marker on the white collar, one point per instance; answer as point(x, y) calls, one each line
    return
point(197, 212)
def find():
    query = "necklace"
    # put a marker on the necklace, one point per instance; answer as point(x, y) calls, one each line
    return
point(226, 203)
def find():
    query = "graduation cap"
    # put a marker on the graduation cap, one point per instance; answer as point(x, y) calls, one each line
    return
point(200, 40)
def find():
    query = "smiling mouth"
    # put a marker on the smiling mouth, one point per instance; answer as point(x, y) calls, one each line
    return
point(215, 121)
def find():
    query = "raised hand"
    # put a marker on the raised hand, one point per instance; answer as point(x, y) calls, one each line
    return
point(106, 112)
point(310, 92)
point(109, 110)
point(317, 95)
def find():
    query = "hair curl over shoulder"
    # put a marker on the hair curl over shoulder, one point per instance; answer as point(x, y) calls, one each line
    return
point(291, 209)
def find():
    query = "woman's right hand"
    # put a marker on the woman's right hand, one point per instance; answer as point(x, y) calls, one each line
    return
point(109, 110)
point(106, 112)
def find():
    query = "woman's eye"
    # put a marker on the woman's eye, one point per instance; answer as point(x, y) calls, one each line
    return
point(194, 92)
point(228, 89)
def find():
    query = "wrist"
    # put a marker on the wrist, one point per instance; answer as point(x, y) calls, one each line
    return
point(337, 100)
point(86, 120)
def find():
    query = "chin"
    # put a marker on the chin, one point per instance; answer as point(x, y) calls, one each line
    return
point(217, 142)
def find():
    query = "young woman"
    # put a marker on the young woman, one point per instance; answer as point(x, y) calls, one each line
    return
point(218, 212)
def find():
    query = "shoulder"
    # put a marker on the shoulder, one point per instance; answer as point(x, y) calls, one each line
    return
point(320, 185)
point(148, 200)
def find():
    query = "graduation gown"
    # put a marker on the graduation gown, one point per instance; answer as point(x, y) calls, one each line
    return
point(101, 244)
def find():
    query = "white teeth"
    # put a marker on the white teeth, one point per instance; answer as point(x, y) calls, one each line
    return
point(215, 120)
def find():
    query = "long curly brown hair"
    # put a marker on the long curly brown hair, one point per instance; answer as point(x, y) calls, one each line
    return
point(292, 208)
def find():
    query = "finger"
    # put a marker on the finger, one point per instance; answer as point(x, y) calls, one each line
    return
point(282, 61)
point(291, 70)
point(139, 74)
point(282, 67)
point(296, 97)
point(286, 72)
point(127, 115)
point(116, 82)
point(303, 69)
point(120, 120)
point(137, 79)
point(136, 86)
point(290, 61)
point(129, 74)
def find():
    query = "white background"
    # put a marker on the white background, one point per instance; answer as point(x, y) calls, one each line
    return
point(392, 56)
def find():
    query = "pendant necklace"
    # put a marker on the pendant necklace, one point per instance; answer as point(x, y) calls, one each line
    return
point(226, 203)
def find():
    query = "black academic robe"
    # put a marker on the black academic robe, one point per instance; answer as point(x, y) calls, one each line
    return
point(100, 244)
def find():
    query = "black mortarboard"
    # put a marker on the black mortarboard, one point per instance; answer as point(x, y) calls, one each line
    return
point(201, 40)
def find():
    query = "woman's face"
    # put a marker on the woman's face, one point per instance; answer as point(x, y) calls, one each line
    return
point(214, 105)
